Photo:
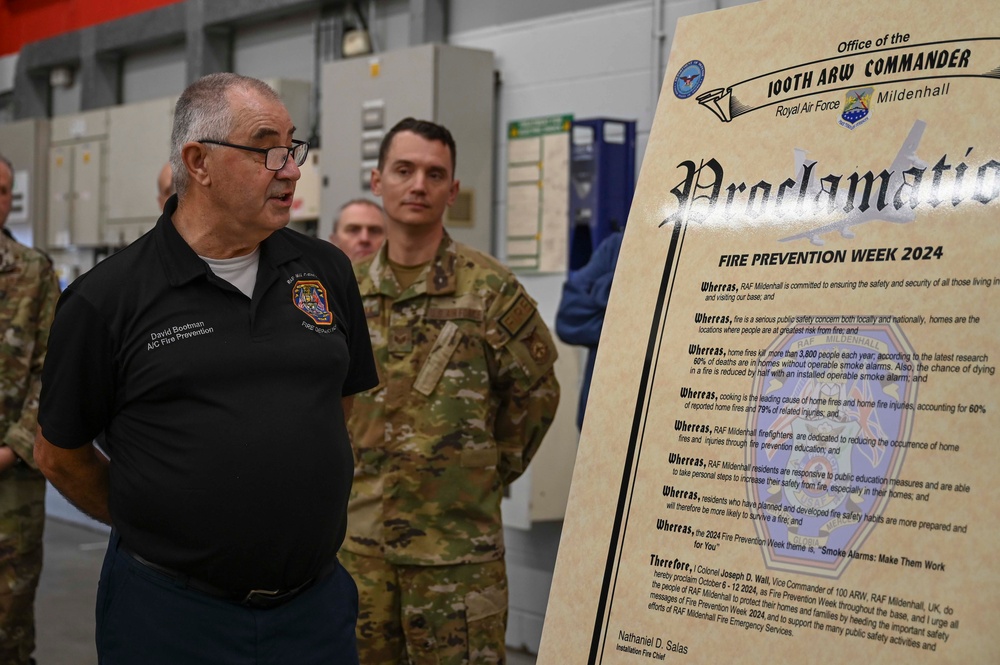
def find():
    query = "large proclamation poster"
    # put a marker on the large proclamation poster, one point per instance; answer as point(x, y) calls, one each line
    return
point(791, 447)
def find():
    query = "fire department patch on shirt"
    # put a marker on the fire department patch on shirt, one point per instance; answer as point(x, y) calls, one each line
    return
point(310, 297)
point(518, 314)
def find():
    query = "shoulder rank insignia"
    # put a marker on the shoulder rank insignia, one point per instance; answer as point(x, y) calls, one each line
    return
point(310, 297)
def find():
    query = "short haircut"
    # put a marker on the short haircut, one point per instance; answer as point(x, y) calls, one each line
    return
point(425, 128)
point(354, 202)
point(10, 167)
point(204, 112)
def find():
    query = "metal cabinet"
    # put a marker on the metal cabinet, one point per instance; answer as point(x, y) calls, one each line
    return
point(362, 98)
point(138, 146)
point(76, 179)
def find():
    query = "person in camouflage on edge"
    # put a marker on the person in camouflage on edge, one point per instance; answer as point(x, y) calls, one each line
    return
point(466, 392)
point(28, 294)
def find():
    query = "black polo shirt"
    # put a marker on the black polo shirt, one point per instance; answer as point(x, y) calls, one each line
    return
point(222, 414)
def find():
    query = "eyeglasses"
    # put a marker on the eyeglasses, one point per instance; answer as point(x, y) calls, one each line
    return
point(276, 157)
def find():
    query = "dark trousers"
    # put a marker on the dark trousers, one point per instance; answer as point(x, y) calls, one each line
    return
point(147, 618)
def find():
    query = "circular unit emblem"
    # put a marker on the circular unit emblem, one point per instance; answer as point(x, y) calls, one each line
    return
point(689, 79)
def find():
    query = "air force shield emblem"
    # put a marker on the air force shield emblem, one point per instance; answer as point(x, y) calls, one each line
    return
point(857, 108)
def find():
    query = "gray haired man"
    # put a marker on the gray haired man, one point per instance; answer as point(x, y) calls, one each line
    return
point(214, 359)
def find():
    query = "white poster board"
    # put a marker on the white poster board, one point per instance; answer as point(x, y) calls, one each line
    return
point(790, 447)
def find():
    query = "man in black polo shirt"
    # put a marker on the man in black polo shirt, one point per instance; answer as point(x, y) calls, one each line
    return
point(214, 360)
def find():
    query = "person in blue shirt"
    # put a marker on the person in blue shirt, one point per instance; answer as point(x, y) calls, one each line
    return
point(580, 316)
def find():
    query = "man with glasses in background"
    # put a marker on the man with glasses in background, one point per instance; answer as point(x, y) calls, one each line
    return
point(214, 361)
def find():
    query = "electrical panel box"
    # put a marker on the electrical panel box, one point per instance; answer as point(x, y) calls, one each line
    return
point(362, 98)
point(26, 144)
point(602, 181)
point(139, 146)
point(80, 126)
point(76, 185)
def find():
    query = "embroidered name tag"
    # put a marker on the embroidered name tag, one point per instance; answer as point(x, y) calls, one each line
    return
point(443, 313)
point(466, 307)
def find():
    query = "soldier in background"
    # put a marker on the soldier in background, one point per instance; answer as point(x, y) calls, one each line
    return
point(466, 393)
point(30, 290)
point(359, 228)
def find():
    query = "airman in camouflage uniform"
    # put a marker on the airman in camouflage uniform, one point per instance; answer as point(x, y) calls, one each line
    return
point(466, 392)
point(28, 294)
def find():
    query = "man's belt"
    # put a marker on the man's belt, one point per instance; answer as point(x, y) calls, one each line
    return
point(256, 598)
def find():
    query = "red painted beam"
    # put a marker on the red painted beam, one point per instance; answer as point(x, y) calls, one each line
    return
point(26, 21)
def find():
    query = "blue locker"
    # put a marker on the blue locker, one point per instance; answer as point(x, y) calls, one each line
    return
point(602, 181)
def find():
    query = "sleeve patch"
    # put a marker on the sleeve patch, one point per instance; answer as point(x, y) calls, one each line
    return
point(538, 348)
point(517, 315)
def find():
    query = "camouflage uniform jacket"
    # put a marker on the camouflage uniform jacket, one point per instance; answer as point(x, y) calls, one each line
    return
point(28, 294)
point(466, 392)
